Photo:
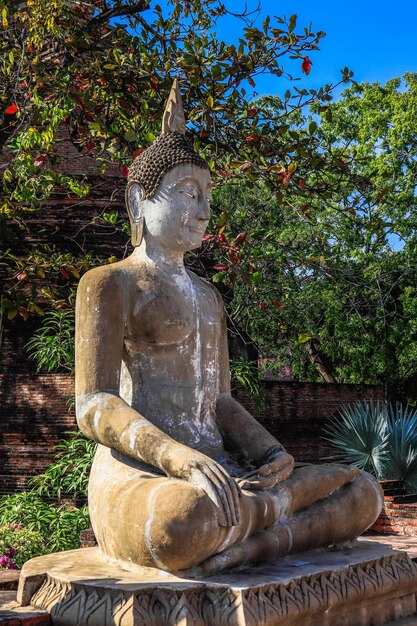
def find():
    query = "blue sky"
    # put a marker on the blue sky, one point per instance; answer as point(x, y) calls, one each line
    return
point(375, 39)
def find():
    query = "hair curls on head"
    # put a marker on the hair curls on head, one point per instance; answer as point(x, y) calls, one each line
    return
point(167, 151)
point(171, 148)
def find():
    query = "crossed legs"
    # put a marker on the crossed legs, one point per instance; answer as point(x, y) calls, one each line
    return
point(172, 525)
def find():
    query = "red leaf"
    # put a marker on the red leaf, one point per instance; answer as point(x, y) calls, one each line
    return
point(306, 65)
point(251, 81)
point(252, 138)
point(222, 238)
point(137, 152)
point(208, 237)
point(341, 163)
point(39, 160)
point(279, 305)
point(261, 305)
point(12, 109)
point(64, 273)
point(252, 112)
point(241, 238)
point(220, 267)
point(124, 170)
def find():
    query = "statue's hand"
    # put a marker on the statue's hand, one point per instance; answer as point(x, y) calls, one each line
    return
point(278, 466)
point(208, 475)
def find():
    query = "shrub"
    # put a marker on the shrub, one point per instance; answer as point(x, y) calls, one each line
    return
point(69, 472)
point(246, 374)
point(377, 438)
point(52, 345)
point(59, 526)
point(18, 544)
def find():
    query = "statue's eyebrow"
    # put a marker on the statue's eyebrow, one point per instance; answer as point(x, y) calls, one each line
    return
point(186, 179)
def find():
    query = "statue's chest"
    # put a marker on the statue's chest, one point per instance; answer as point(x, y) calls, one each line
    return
point(172, 314)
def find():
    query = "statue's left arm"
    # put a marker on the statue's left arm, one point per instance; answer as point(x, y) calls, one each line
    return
point(243, 434)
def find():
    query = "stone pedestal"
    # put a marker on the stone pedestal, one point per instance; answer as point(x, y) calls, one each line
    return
point(366, 585)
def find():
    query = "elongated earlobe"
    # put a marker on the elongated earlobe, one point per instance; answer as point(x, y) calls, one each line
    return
point(134, 197)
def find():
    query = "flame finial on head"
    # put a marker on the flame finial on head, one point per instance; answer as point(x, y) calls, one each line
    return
point(173, 120)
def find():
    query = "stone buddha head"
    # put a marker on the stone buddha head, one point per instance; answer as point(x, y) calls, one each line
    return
point(169, 187)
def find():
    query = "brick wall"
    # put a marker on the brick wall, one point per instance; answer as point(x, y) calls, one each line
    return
point(297, 412)
point(34, 413)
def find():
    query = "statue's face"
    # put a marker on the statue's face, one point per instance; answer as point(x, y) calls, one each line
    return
point(177, 215)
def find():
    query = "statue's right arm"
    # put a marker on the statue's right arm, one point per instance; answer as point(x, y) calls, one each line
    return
point(104, 417)
point(102, 414)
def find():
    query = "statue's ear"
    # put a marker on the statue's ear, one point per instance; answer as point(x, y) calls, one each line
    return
point(134, 196)
point(134, 199)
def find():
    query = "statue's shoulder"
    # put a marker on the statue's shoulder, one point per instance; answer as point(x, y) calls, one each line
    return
point(208, 288)
point(104, 278)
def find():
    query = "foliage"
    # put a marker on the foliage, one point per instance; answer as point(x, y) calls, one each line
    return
point(379, 439)
point(247, 375)
point(18, 545)
point(69, 472)
point(59, 526)
point(328, 286)
point(402, 446)
point(66, 476)
point(359, 433)
point(52, 345)
point(97, 75)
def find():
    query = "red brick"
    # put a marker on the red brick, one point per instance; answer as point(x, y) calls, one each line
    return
point(9, 579)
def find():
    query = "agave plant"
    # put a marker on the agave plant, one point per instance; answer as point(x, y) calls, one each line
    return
point(360, 436)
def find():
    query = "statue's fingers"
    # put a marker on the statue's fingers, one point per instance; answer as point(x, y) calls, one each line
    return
point(236, 494)
point(222, 484)
point(282, 460)
point(213, 493)
point(224, 492)
point(261, 483)
point(267, 482)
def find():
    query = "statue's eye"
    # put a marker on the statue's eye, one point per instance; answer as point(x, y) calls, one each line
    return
point(189, 194)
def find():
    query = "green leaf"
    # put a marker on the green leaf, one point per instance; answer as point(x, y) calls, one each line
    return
point(304, 337)
point(292, 22)
point(130, 135)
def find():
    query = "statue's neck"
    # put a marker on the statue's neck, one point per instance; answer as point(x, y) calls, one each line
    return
point(163, 259)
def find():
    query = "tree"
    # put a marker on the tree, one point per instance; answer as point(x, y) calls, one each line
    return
point(97, 74)
point(335, 276)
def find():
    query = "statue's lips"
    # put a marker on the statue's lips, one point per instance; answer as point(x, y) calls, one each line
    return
point(198, 231)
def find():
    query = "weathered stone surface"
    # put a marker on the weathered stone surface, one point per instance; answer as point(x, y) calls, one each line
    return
point(184, 476)
point(12, 614)
point(361, 586)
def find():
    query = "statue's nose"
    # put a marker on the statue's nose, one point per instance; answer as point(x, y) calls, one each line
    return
point(203, 209)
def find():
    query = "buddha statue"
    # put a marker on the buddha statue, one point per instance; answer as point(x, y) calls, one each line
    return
point(184, 478)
